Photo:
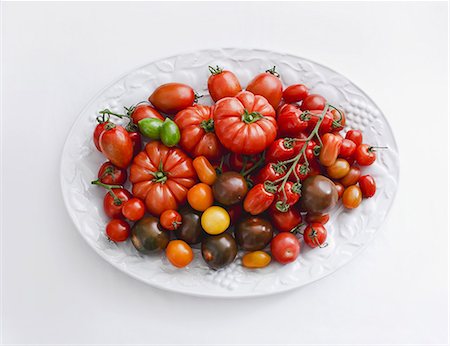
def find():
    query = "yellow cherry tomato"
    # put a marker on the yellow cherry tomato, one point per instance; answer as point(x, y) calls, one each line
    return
point(338, 169)
point(256, 259)
point(179, 253)
point(215, 220)
point(200, 196)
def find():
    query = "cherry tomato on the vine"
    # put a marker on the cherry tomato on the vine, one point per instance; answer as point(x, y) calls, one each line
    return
point(285, 247)
point(111, 175)
point(291, 120)
point(270, 172)
point(338, 119)
point(133, 209)
point(259, 198)
point(113, 202)
point(282, 149)
point(170, 220)
point(315, 235)
point(367, 185)
point(285, 221)
point(288, 195)
point(295, 93)
point(118, 230)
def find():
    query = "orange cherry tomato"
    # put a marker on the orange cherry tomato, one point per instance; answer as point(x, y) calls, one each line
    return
point(352, 197)
point(205, 171)
point(200, 196)
point(179, 253)
point(330, 149)
point(339, 169)
point(352, 177)
point(256, 259)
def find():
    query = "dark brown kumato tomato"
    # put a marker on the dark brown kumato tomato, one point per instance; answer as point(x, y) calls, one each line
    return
point(148, 236)
point(190, 229)
point(319, 194)
point(219, 250)
point(253, 233)
point(229, 188)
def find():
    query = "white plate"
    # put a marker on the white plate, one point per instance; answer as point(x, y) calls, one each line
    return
point(349, 231)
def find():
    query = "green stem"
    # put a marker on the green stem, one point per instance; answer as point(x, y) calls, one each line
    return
point(117, 200)
point(256, 165)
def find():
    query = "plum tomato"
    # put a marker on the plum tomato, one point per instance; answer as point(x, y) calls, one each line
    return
point(352, 197)
point(116, 145)
point(215, 220)
point(367, 185)
point(118, 230)
point(205, 170)
point(171, 98)
point(285, 247)
point(200, 197)
point(315, 235)
point(97, 132)
point(144, 111)
point(259, 198)
point(179, 253)
point(256, 259)
point(133, 209)
point(111, 175)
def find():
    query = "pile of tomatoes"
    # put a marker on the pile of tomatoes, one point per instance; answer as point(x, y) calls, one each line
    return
point(258, 170)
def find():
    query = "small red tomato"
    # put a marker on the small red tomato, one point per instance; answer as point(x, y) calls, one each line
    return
point(133, 209)
point(340, 188)
point(313, 102)
point(365, 155)
point(118, 230)
point(285, 247)
point(352, 176)
point(285, 221)
point(259, 198)
point(144, 111)
point(347, 150)
point(317, 218)
point(282, 149)
point(171, 98)
point(315, 235)
point(325, 126)
point(355, 136)
point(338, 120)
point(97, 132)
point(222, 84)
point(111, 175)
point(291, 120)
point(270, 172)
point(116, 145)
point(287, 196)
point(170, 220)
point(303, 171)
point(268, 85)
point(367, 185)
point(113, 202)
point(295, 93)
point(136, 140)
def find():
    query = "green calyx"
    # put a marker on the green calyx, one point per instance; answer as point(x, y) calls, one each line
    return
point(249, 118)
point(207, 125)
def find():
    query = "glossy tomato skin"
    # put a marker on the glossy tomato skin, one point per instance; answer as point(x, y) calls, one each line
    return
point(162, 176)
point(144, 111)
point(368, 186)
point(222, 83)
point(245, 124)
point(314, 168)
point(116, 145)
point(190, 230)
point(365, 155)
point(179, 253)
point(215, 220)
point(253, 233)
point(352, 176)
point(285, 247)
point(256, 259)
point(291, 120)
point(267, 85)
point(355, 136)
point(171, 98)
point(235, 211)
point(339, 188)
point(319, 194)
point(112, 206)
point(330, 149)
point(200, 197)
point(259, 199)
point(325, 126)
point(205, 170)
point(270, 172)
point(97, 132)
point(136, 141)
point(219, 251)
point(317, 218)
point(229, 188)
point(338, 169)
point(198, 137)
point(111, 175)
point(313, 102)
point(133, 209)
point(282, 149)
point(315, 235)
point(339, 120)
point(352, 197)
point(285, 221)
point(118, 230)
point(347, 150)
point(292, 192)
point(170, 220)
point(295, 93)
point(148, 237)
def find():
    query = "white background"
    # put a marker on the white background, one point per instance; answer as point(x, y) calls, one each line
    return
point(56, 56)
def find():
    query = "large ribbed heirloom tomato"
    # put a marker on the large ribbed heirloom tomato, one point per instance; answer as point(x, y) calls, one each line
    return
point(162, 176)
point(197, 132)
point(245, 124)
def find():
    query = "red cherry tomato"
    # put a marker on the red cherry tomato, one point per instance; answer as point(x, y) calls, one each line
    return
point(365, 155)
point(118, 230)
point(295, 93)
point(113, 202)
point(116, 145)
point(111, 175)
point(282, 149)
point(285, 247)
point(259, 198)
point(285, 221)
point(144, 111)
point(347, 150)
point(222, 84)
point(338, 120)
point(133, 209)
point(136, 140)
point(313, 102)
point(325, 126)
point(315, 235)
point(268, 85)
point(317, 218)
point(170, 220)
point(355, 136)
point(367, 185)
point(291, 195)
point(97, 132)
point(303, 171)
point(270, 172)
point(291, 120)
point(171, 98)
